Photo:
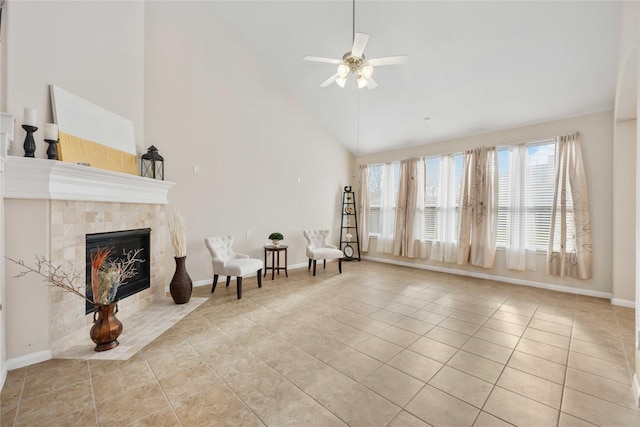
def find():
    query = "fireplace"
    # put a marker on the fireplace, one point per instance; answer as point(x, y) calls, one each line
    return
point(121, 242)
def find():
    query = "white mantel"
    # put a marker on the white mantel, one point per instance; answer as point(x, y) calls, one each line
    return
point(29, 178)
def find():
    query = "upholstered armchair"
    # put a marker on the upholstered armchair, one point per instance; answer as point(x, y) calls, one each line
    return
point(226, 262)
point(319, 248)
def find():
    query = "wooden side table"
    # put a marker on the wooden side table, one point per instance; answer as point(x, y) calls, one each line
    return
point(275, 260)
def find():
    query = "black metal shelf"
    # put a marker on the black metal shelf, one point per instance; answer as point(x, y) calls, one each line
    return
point(348, 200)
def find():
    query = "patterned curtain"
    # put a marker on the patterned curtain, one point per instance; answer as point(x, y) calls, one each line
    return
point(478, 207)
point(408, 191)
point(570, 243)
point(363, 209)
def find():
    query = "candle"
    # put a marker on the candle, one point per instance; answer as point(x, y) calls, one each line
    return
point(30, 117)
point(51, 132)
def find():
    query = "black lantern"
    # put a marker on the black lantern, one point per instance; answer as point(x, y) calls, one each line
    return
point(152, 164)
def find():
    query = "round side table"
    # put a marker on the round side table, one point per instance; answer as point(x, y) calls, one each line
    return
point(275, 260)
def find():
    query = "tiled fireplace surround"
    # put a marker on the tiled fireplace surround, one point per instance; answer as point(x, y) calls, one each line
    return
point(84, 200)
point(71, 221)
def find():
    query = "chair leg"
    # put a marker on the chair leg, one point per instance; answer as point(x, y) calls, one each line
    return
point(314, 267)
point(215, 282)
point(340, 265)
point(324, 263)
point(260, 278)
point(309, 264)
point(228, 280)
point(239, 282)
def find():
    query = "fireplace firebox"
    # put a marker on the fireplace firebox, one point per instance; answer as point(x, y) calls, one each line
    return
point(121, 242)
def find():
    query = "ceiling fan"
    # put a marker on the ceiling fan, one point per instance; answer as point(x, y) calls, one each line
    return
point(354, 62)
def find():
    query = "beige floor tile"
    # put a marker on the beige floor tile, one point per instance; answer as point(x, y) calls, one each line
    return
point(597, 337)
point(447, 336)
point(323, 348)
point(532, 387)
point(433, 349)
point(592, 365)
point(554, 328)
point(378, 348)
point(361, 308)
point(488, 420)
point(505, 316)
point(519, 410)
point(539, 367)
point(405, 419)
point(369, 325)
point(478, 309)
point(597, 411)
point(441, 409)
point(497, 337)
point(440, 309)
point(428, 316)
point(414, 325)
point(461, 385)
point(398, 336)
point(459, 326)
point(133, 405)
point(182, 384)
point(58, 403)
point(478, 366)
point(607, 353)
point(400, 308)
point(561, 319)
point(163, 418)
point(514, 309)
point(354, 364)
point(547, 338)
point(393, 385)
point(504, 326)
point(543, 351)
point(386, 316)
point(469, 317)
point(491, 351)
point(567, 420)
point(416, 365)
point(360, 406)
point(611, 391)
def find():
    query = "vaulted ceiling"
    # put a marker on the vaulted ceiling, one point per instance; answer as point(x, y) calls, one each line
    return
point(474, 67)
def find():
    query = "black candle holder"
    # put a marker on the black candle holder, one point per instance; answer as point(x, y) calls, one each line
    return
point(52, 151)
point(29, 143)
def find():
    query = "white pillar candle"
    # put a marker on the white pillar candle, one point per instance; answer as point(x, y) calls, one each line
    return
point(51, 132)
point(30, 117)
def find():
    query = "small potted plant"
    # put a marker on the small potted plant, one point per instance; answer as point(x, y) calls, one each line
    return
point(275, 238)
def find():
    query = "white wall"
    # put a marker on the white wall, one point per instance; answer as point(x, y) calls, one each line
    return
point(93, 49)
point(596, 132)
point(210, 102)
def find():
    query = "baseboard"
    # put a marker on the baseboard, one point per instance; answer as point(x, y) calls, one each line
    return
point(513, 281)
point(3, 377)
point(623, 302)
point(636, 389)
point(28, 359)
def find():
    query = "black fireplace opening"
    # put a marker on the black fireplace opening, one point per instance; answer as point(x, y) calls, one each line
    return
point(120, 242)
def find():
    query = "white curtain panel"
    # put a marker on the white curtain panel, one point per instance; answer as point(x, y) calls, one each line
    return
point(520, 251)
point(363, 209)
point(416, 245)
point(444, 248)
point(406, 211)
point(387, 211)
point(569, 250)
point(479, 207)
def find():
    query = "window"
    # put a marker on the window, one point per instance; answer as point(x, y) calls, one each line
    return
point(378, 184)
point(539, 180)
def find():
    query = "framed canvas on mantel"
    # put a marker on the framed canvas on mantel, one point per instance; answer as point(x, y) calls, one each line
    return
point(89, 134)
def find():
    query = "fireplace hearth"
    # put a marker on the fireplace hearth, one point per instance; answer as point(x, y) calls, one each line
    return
point(121, 242)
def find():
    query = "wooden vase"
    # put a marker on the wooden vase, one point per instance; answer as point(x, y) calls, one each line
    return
point(181, 285)
point(106, 327)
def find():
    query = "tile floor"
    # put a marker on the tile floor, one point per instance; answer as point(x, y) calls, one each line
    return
point(379, 345)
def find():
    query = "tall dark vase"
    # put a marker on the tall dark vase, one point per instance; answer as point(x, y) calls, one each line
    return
point(106, 327)
point(181, 284)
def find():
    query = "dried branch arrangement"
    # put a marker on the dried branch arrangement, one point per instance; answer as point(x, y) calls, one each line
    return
point(178, 234)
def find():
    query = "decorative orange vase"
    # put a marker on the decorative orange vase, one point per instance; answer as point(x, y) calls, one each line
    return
point(106, 327)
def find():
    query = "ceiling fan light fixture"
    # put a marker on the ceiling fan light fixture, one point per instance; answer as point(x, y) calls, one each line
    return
point(343, 70)
point(341, 81)
point(362, 82)
point(367, 71)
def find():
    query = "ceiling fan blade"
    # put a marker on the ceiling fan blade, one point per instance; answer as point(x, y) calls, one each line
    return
point(359, 43)
point(330, 80)
point(389, 60)
point(371, 84)
point(321, 59)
